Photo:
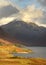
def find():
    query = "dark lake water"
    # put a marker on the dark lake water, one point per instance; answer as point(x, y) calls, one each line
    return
point(37, 52)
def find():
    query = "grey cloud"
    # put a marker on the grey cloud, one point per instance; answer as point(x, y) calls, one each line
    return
point(42, 2)
point(6, 11)
point(20, 0)
point(43, 19)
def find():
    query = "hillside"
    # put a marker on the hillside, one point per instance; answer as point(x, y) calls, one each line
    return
point(7, 49)
point(29, 34)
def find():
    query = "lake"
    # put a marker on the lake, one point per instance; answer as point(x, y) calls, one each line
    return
point(37, 52)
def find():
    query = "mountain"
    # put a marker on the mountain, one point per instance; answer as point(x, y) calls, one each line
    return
point(2, 33)
point(7, 48)
point(29, 34)
point(6, 39)
point(3, 36)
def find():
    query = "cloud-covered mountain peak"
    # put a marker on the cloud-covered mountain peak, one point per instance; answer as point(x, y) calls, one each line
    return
point(29, 33)
point(7, 9)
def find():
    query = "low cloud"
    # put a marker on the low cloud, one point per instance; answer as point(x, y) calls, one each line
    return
point(4, 21)
point(42, 2)
point(4, 3)
point(33, 14)
point(7, 9)
point(30, 13)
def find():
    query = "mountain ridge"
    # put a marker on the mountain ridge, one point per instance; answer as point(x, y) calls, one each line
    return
point(30, 34)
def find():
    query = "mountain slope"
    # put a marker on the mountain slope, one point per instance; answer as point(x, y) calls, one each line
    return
point(7, 48)
point(30, 34)
point(2, 33)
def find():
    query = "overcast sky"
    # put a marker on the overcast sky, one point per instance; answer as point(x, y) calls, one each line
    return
point(34, 11)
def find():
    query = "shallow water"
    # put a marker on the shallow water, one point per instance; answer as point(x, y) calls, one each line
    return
point(37, 52)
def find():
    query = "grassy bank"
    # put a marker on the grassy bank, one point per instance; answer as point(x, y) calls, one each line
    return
point(23, 61)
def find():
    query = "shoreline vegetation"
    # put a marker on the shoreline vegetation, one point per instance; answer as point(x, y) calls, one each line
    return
point(7, 58)
point(7, 49)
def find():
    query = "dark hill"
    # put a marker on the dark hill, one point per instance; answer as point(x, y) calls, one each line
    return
point(31, 34)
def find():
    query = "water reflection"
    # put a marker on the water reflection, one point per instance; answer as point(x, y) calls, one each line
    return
point(37, 52)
